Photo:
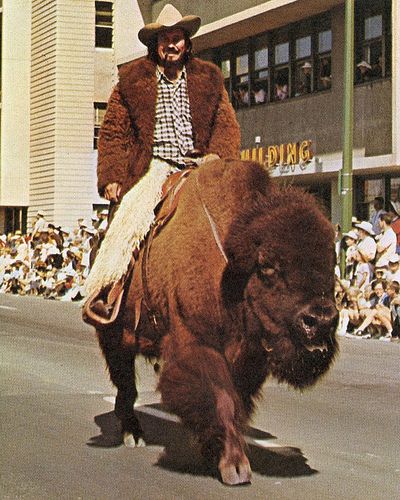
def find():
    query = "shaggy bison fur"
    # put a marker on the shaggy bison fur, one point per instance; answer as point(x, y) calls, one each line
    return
point(225, 325)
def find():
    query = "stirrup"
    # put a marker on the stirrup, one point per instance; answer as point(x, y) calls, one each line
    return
point(102, 313)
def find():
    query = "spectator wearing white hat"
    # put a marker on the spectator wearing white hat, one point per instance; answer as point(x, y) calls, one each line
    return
point(73, 287)
point(364, 71)
point(393, 273)
point(40, 223)
point(366, 244)
point(305, 85)
point(386, 240)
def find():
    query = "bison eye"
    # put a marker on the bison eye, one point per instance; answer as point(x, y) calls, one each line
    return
point(266, 268)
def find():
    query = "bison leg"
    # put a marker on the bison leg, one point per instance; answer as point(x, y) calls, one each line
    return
point(121, 366)
point(196, 385)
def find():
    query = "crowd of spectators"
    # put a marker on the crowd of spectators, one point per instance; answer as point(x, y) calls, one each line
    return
point(368, 294)
point(50, 260)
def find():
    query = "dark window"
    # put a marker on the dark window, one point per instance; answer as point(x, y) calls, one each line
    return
point(304, 66)
point(99, 112)
point(324, 80)
point(373, 39)
point(260, 75)
point(281, 71)
point(104, 24)
point(15, 218)
point(226, 71)
point(241, 83)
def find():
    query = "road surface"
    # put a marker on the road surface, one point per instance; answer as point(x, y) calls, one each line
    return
point(60, 440)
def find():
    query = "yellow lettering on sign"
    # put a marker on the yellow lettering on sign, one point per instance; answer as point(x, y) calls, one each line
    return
point(272, 155)
point(305, 153)
point(282, 156)
point(261, 155)
point(292, 153)
point(245, 154)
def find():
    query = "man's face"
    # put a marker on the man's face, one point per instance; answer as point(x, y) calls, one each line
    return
point(394, 266)
point(362, 234)
point(171, 46)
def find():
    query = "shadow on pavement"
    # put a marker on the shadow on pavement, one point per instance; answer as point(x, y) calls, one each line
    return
point(110, 431)
point(181, 453)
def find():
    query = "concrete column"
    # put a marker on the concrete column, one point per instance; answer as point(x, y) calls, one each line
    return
point(15, 105)
point(128, 20)
point(396, 81)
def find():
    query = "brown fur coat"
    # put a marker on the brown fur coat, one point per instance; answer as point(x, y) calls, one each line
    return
point(126, 138)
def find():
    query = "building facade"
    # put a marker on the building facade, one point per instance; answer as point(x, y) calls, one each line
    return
point(283, 62)
point(58, 68)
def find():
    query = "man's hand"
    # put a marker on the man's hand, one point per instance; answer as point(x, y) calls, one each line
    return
point(199, 160)
point(112, 191)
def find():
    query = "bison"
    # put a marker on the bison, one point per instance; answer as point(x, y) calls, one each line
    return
point(240, 284)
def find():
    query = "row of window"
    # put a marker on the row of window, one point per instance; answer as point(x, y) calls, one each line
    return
point(296, 60)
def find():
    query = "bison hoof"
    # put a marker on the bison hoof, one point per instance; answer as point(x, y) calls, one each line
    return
point(131, 442)
point(234, 475)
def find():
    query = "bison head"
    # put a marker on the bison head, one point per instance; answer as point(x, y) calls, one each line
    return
point(281, 273)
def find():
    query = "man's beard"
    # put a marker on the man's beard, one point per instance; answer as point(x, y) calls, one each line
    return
point(178, 63)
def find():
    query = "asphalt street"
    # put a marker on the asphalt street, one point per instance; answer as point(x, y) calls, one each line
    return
point(59, 437)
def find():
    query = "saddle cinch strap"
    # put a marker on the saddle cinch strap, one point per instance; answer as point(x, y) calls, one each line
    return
point(101, 310)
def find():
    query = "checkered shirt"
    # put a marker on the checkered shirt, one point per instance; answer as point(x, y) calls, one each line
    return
point(173, 135)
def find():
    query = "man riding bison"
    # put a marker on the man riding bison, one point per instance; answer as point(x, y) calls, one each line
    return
point(235, 281)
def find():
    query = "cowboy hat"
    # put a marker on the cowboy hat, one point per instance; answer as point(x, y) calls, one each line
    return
point(169, 18)
point(366, 226)
point(351, 234)
point(364, 64)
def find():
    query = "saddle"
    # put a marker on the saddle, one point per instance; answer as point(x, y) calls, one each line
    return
point(102, 309)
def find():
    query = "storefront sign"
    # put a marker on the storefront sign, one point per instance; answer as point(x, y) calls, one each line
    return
point(286, 157)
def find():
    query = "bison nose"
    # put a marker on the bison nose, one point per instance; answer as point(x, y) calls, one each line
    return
point(317, 320)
